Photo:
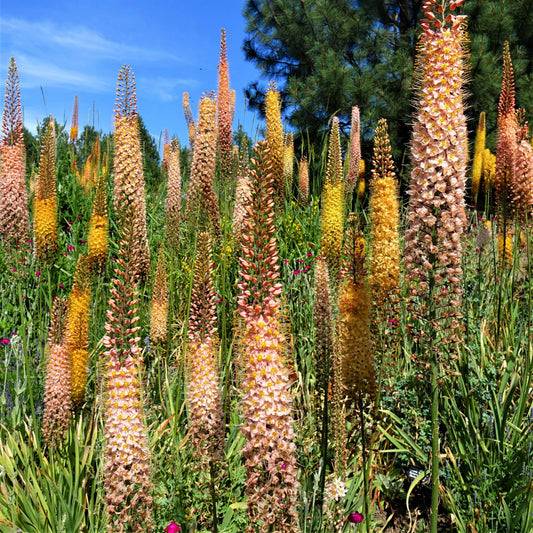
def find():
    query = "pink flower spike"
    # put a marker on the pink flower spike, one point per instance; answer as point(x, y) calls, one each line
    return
point(355, 518)
point(172, 528)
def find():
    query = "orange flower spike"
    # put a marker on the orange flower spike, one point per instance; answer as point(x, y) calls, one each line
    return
point(436, 214)
point(13, 195)
point(355, 151)
point(57, 399)
point(269, 451)
point(129, 188)
point(173, 214)
point(224, 109)
point(159, 305)
point(201, 196)
point(126, 470)
point(74, 122)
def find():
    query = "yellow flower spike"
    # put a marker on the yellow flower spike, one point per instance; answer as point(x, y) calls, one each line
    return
point(275, 139)
point(479, 150)
point(45, 199)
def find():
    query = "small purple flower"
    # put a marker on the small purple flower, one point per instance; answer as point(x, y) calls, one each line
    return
point(355, 518)
point(173, 528)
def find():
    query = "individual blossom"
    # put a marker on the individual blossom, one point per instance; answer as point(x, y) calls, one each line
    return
point(266, 403)
point(173, 528)
point(129, 189)
point(159, 304)
point(45, 223)
point(57, 395)
point(333, 204)
point(13, 195)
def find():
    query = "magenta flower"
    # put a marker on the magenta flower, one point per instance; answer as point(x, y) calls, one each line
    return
point(172, 528)
point(355, 518)
point(70, 248)
point(4, 341)
point(38, 273)
point(297, 271)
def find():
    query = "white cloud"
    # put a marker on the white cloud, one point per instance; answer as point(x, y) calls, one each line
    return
point(165, 89)
point(45, 35)
point(35, 73)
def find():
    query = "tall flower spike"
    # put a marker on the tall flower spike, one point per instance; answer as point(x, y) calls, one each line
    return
point(385, 219)
point(303, 179)
point(173, 215)
point(436, 214)
point(77, 334)
point(266, 403)
point(159, 316)
point(479, 149)
point(129, 189)
point(356, 349)
point(127, 471)
point(57, 389)
point(203, 391)
point(242, 193)
point(355, 151)
point(333, 204)
point(275, 139)
point(224, 109)
point(323, 320)
point(74, 122)
point(98, 228)
point(166, 150)
point(202, 201)
point(191, 126)
point(288, 163)
point(13, 195)
point(46, 200)
point(513, 153)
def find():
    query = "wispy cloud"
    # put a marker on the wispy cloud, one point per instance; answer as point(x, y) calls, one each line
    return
point(165, 89)
point(36, 73)
point(76, 40)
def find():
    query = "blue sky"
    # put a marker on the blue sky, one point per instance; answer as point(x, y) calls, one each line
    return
point(64, 48)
